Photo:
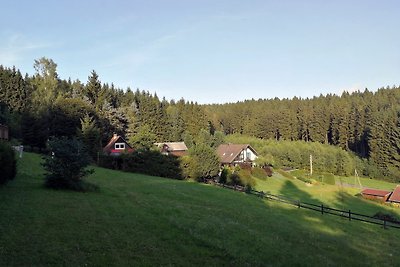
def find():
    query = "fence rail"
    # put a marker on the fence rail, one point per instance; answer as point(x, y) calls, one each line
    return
point(323, 209)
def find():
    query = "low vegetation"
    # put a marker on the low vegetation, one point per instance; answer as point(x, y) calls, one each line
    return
point(8, 163)
point(66, 167)
point(137, 220)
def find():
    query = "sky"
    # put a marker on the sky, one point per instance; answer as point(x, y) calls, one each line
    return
point(210, 51)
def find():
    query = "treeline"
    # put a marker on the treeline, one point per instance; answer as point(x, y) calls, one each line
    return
point(365, 123)
point(43, 105)
point(296, 154)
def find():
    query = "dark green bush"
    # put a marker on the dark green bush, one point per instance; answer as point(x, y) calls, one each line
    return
point(66, 167)
point(8, 163)
point(144, 161)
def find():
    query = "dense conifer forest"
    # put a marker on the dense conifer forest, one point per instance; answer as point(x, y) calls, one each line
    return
point(43, 105)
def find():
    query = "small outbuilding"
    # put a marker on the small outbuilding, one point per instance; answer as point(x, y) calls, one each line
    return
point(395, 196)
point(381, 195)
point(3, 132)
point(117, 146)
point(177, 149)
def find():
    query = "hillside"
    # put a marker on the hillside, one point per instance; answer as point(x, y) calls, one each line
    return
point(142, 220)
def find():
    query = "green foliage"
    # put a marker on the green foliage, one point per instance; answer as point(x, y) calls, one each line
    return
point(144, 161)
point(90, 136)
point(296, 154)
point(144, 139)
point(8, 163)
point(329, 178)
point(363, 123)
point(203, 163)
point(259, 173)
point(66, 168)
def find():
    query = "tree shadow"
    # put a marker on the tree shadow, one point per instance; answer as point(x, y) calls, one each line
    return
point(290, 190)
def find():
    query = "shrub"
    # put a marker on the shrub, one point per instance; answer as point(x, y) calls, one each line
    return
point(241, 177)
point(67, 166)
point(259, 173)
point(147, 162)
point(329, 178)
point(8, 163)
point(204, 163)
point(224, 175)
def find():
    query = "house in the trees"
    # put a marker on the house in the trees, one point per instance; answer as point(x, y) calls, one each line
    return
point(117, 145)
point(3, 132)
point(381, 195)
point(395, 196)
point(173, 148)
point(235, 154)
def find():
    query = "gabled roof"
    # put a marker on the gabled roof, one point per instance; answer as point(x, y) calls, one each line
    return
point(375, 192)
point(395, 197)
point(228, 152)
point(173, 146)
point(115, 139)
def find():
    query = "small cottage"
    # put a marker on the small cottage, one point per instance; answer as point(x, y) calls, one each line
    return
point(117, 145)
point(3, 132)
point(381, 195)
point(234, 154)
point(177, 149)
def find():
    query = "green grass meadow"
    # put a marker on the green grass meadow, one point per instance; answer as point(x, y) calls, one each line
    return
point(139, 220)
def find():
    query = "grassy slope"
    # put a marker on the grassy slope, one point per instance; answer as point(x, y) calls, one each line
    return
point(142, 220)
point(334, 196)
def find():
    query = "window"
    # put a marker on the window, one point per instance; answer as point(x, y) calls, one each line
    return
point(119, 145)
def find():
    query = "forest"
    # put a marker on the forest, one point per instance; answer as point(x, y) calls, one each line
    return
point(36, 107)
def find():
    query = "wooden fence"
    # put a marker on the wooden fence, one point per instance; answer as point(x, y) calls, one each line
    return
point(321, 208)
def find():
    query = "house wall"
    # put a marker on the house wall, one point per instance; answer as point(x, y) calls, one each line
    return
point(245, 156)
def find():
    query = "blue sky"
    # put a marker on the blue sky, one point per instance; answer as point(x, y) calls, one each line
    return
point(210, 51)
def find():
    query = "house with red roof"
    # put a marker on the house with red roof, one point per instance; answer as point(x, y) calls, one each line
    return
point(381, 195)
point(117, 145)
point(234, 154)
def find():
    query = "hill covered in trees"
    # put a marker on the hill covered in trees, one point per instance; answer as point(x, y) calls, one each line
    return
point(43, 105)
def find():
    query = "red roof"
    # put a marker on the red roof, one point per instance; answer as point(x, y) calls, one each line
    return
point(375, 192)
point(395, 197)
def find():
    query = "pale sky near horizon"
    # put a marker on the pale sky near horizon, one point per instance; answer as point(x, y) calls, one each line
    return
point(210, 51)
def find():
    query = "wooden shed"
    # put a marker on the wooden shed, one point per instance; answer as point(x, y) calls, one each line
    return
point(395, 196)
point(377, 194)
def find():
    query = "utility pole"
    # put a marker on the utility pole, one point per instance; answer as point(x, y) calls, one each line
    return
point(310, 164)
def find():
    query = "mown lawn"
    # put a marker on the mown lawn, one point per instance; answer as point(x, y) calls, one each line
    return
point(138, 220)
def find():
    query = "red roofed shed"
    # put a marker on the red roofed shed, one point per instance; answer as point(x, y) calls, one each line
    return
point(382, 195)
point(395, 197)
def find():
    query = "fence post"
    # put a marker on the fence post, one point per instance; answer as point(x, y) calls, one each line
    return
point(298, 204)
point(384, 223)
point(349, 215)
point(322, 208)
